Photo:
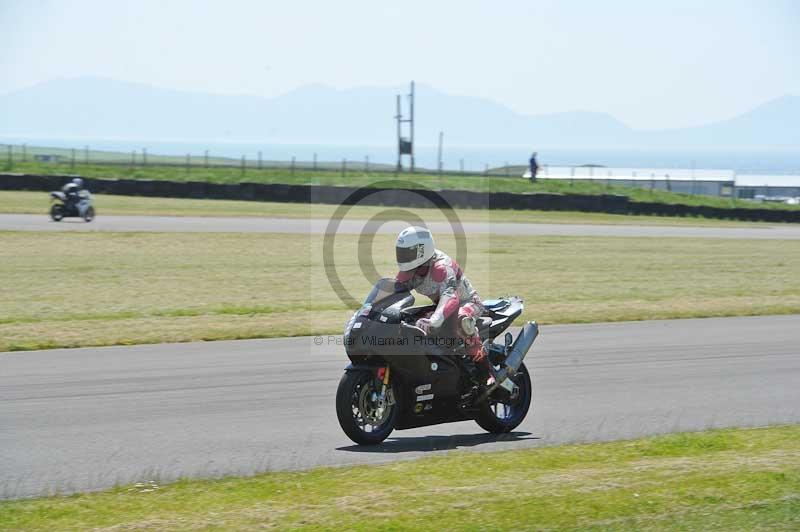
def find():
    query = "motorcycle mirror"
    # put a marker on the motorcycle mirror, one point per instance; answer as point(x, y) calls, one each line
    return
point(509, 339)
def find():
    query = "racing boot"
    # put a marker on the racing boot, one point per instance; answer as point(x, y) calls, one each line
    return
point(479, 357)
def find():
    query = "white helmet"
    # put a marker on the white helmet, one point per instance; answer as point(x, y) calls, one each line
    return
point(414, 247)
point(77, 182)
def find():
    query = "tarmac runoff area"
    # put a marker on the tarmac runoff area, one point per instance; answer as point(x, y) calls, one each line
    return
point(32, 222)
point(87, 419)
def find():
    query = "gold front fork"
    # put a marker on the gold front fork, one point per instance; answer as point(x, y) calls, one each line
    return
point(385, 383)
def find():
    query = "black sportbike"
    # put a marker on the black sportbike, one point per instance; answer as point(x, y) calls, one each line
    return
point(400, 378)
point(65, 207)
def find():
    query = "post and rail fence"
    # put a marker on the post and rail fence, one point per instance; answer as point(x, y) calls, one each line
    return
point(25, 158)
point(66, 157)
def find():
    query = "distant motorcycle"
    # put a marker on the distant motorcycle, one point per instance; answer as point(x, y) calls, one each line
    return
point(63, 207)
point(400, 378)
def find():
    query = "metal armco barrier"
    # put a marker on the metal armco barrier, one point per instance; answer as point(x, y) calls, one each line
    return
point(390, 197)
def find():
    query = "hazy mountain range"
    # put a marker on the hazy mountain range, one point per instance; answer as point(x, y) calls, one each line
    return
point(103, 108)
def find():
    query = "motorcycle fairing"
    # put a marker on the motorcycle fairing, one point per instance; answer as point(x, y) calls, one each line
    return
point(438, 369)
point(502, 313)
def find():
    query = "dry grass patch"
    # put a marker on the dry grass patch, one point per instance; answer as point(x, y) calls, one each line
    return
point(82, 289)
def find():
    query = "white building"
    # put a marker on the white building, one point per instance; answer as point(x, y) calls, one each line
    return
point(767, 186)
point(724, 183)
point(707, 182)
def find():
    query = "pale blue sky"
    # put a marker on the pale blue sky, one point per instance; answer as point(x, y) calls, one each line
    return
point(650, 64)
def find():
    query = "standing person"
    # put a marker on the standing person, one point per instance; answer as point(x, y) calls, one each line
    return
point(534, 167)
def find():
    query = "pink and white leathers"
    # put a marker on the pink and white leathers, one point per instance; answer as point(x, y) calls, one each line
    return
point(442, 280)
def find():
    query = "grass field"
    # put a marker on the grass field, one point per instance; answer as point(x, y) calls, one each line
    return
point(80, 289)
point(746, 479)
point(38, 203)
point(494, 183)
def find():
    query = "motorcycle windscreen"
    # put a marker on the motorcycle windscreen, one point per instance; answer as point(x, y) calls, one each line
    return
point(383, 289)
point(383, 294)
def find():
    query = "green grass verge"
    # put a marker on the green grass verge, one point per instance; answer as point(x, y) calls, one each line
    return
point(495, 183)
point(82, 289)
point(38, 203)
point(745, 479)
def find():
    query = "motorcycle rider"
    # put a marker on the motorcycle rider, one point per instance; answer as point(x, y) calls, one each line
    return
point(434, 274)
point(72, 191)
point(77, 197)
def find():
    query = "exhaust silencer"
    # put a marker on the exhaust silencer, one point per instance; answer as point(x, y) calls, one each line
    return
point(518, 350)
point(516, 354)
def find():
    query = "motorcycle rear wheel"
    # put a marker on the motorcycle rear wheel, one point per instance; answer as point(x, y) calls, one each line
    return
point(499, 417)
point(356, 408)
point(57, 212)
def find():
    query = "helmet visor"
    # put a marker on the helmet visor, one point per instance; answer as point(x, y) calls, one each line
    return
point(406, 255)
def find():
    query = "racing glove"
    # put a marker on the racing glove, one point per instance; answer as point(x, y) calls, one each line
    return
point(424, 324)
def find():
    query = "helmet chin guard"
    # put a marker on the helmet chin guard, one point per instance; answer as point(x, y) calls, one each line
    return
point(414, 247)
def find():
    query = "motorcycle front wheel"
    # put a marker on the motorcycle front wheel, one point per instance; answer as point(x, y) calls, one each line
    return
point(88, 216)
point(57, 212)
point(362, 415)
point(499, 416)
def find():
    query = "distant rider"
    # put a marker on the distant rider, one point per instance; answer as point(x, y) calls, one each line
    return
point(76, 196)
point(434, 274)
point(72, 191)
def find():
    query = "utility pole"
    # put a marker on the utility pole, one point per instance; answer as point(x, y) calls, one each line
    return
point(411, 97)
point(441, 139)
point(399, 118)
point(405, 146)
